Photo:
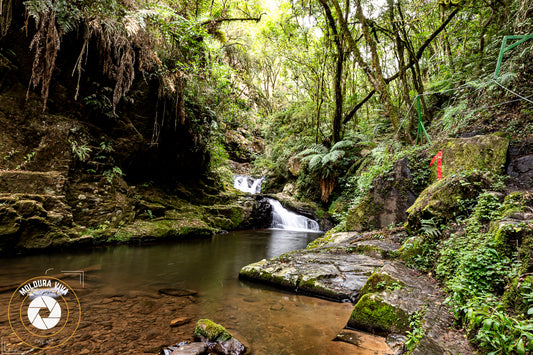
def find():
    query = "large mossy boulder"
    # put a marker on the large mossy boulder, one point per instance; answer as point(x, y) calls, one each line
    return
point(386, 203)
point(447, 198)
point(483, 153)
point(397, 299)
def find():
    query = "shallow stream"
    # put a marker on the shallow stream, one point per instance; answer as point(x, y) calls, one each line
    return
point(123, 312)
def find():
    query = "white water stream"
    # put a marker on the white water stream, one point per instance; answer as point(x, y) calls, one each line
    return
point(248, 184)
point(281, 217)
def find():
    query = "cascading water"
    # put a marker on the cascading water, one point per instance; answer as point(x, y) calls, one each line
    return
point(285, 219)
point(281, 217)
point(248, 184)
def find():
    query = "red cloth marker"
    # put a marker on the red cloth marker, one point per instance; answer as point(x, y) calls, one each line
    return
point(439, 164)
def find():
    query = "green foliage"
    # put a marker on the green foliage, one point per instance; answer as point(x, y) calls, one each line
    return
point(430, 228)
point(329, 162)
point(110, 174)
point(416, 331)
point(81, 151)
point(495, 331)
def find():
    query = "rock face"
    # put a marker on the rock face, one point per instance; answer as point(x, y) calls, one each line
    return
point(33, 210)
point(483, 153)
point(334, 269)
point(390, 299)
point(446, 198)
point(386, 203)
point(520, 166)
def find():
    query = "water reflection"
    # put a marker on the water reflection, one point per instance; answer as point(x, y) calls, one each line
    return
point(272, 322)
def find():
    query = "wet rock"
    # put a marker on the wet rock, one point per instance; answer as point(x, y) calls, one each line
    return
point(178, 292)
point(179, 321)
point(229, 347)
point(348, 336)
point(329, 269)
point(393, 295)
point(195, 348)
point(217, 338)
point(211, 331)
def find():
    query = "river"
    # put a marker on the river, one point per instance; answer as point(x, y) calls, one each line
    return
point(123, 312)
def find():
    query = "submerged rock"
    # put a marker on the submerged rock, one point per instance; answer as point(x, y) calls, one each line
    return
point(178, 292)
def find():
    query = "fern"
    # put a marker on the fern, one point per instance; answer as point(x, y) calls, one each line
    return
point(314, 149)
point(315, 161)
point(332, 157)
point(343, 145)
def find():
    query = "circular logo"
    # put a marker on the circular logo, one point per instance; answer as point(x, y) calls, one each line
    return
point(44, 312)
point(44, 302)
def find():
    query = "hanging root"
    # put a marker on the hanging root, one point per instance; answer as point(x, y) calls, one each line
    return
point(45, 43)
point(5, 16)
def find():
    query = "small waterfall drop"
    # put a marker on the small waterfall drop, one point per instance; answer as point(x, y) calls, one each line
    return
point(248, 184)
point(281, 217)
point(285, 219)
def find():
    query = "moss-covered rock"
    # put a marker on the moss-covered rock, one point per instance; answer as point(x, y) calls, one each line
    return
point(447, 198)
point(380, 281)
point(386, 203)
point(483, 152)
point(211, 331)
point(372, 314)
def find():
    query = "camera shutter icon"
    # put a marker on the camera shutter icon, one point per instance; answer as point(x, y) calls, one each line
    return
point(44, 302)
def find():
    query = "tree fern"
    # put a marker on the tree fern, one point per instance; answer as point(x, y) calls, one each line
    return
point(332, 157)
point(314, 149)
point(343, 145)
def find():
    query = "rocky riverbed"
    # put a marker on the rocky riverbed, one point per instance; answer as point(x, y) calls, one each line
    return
point(363, 268)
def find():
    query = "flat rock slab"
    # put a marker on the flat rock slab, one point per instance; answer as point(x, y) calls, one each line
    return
point(331, 273)
point(377, 248)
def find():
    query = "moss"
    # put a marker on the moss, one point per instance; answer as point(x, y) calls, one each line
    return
point(362, 216)
point(484, 153)
point(315, 287)
point(284, 277)
point(447, 198)
point(375, 251)
point(372, 313)
point(411, 247)
point(211, 330)
point(378, 282)
point(326, 238)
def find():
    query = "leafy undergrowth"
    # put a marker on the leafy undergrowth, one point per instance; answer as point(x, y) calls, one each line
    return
point(486, 266)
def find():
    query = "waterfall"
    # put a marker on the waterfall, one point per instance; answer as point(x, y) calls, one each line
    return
point(285, 219)
point(281, 217)
point(248, 184)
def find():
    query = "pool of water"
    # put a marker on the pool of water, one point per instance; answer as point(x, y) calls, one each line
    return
point(122, 311)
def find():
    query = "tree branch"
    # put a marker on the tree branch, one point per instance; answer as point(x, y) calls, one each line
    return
point(219, 20)
point(419, 53)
